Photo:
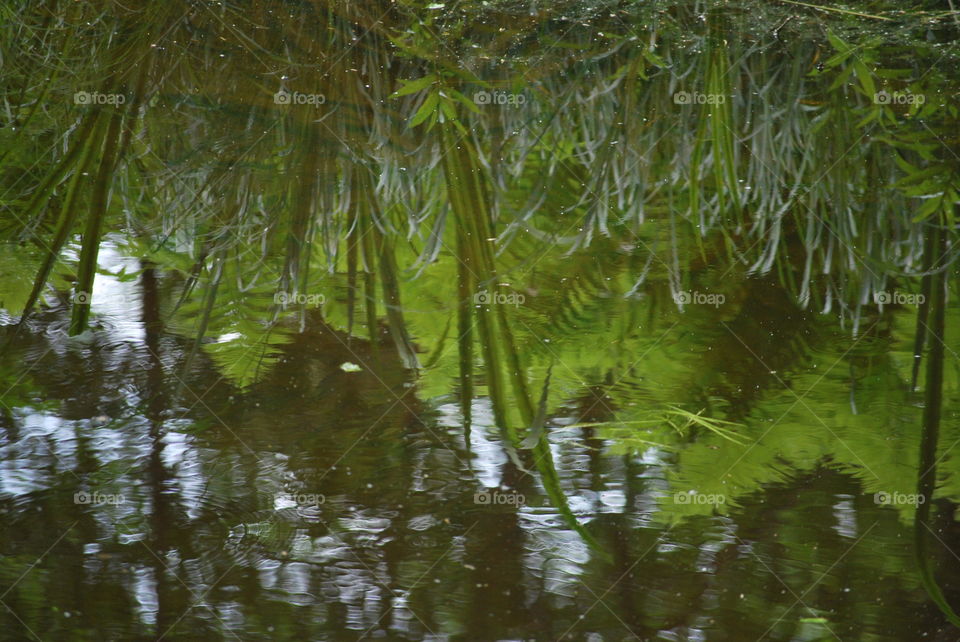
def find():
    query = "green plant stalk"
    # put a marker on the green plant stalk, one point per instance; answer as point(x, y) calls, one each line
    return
point(469, 201)
point(923, 310)
point(139, 95)
point(351, 267)
point(77, 151)
point(90, 246)
point(65, 223)
point(302, 210)
point(465, 287)
point(394, 307)
point(369, 282)
point(551, 483)
point(470, 207)
point(927, 472)
point(722, 127)
point(210, 298)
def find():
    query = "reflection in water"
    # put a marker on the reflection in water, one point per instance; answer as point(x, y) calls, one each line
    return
point(478, 321)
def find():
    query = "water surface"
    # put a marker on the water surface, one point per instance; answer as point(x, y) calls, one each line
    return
point(479, 321)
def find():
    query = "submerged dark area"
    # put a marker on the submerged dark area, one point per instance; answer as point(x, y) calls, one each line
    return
point(479, 320)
